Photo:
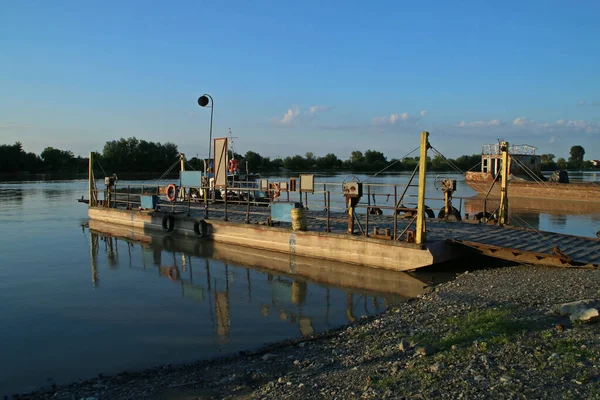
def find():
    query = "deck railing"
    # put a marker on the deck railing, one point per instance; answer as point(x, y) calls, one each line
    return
point(330, 197)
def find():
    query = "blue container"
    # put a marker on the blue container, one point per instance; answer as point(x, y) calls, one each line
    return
point(281, 210)
point(149, 202)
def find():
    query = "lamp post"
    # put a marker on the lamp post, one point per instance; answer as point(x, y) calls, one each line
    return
point(203, 101)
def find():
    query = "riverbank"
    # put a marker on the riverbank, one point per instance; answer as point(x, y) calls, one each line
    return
point(489, 333)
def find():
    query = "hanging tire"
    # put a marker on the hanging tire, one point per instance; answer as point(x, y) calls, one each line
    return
point(429, 212)
point(200, 228)
point(454, 216)
point(168, 223)
point(409, 214)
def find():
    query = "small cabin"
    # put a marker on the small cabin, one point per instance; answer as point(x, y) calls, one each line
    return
point(524, 161)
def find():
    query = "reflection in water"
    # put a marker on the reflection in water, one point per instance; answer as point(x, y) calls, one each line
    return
point(562, 216)
point(11, 198)
point(288, 294)
point(525, 219)
point(558, 220)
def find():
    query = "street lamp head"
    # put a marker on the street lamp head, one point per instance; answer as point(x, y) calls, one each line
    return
point(203, 101)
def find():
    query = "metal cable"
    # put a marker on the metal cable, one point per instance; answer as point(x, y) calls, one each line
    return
point(452, 165)
point(391, 164)
point(163, 175)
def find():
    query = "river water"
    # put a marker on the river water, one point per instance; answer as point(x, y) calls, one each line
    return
point(79, 300)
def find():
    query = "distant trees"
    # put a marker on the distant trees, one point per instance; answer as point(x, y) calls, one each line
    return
point(133, 155)
point(14, 159)
point(576, 157)
point(548, 163)
point(370, 160)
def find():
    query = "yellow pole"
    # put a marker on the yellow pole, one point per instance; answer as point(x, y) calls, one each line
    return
point(447, 210)
point(90, 179)
point(181, 168)
point(503, 217)
point(420, 234)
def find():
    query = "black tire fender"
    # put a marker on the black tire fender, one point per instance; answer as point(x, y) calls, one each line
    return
point(168, 223)
point(200, 228)
point(454, 215)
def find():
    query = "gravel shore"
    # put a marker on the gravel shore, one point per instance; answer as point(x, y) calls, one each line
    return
point(493, 333)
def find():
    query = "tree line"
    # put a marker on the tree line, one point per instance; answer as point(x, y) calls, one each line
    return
point(369, 161)
point(132, 155)
point(574, 162)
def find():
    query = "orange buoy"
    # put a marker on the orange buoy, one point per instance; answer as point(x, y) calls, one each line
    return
point(171, 192)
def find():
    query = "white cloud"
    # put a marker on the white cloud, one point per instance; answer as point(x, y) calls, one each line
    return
point(393, 118)
point(522, 121)
point(317, 109)
point(396, 117)
point(551, 140)
point(577, 124)
point(588, 103)
point(423, 112)
point(494, 122)
point(294, 114)
point(289, 116)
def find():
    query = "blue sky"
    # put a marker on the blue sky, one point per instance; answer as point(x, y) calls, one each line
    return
point(291, 77)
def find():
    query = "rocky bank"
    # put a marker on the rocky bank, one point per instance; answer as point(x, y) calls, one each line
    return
point(493, 333)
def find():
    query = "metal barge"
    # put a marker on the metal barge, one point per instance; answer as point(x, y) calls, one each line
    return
point(526, 180)
point(394, 237)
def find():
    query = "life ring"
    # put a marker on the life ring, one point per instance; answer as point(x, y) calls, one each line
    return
point(233, 165)
point(171, 192)
point(276, 191)
point(168, 223)
point(200, 228)
point(173, 273)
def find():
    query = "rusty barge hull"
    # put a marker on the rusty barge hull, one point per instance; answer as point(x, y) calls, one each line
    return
point(314, 243)
point(581, 192)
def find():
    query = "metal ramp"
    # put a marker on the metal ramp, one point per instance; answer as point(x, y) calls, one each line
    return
point(522, 245)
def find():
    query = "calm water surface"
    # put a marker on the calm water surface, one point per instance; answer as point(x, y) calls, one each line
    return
point(78, 301)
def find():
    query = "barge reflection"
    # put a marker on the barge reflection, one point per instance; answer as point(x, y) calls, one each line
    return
point(211, 273)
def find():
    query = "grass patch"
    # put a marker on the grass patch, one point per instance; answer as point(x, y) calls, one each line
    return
point(493, 326)
point(383, 383)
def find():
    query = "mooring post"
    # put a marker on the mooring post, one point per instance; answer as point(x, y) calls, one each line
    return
point(420, 234)
point(395, 211)
point(350, 217)
point(328, 210)
point(90, 179)
point(503, 217)
point(247, 221)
